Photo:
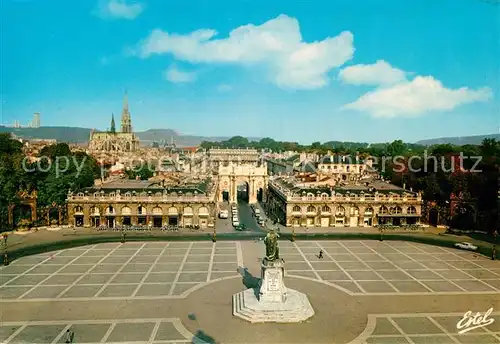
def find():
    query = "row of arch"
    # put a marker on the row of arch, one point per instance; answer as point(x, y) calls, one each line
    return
point(355, 210)
point(129, 194)
point(141, 210)
point(310, 196)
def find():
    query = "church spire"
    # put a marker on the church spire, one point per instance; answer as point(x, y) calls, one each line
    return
point(113, 128)
point(125, 101)
point(126, 122)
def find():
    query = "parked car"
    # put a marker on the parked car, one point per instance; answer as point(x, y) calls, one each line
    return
point(224, 214)
point(261, 222)
point(241, 227)
point(236, 222)
point(466, 246)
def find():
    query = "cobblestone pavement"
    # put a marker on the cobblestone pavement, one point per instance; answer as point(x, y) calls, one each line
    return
point(180, 292)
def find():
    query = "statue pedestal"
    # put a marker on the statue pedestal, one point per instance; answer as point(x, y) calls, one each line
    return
point(272, 301)
point(272, 288)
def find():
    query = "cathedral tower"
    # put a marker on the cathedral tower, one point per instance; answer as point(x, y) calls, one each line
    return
point(113, 127)
point(126, 125)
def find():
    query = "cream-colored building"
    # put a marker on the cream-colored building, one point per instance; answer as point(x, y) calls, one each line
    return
point(135, 202)
point(254, 178)
point(344, 168)
point(295, 204)
point(237, 156)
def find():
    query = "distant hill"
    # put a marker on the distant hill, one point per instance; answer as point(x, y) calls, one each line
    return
point(460, 141)
point(63, 134)
point(81, 135)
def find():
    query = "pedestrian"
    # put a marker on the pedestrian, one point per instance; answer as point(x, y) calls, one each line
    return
point(320, 254)
point(69, 336)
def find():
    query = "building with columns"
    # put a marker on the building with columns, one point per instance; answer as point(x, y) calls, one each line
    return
point(136, 202)
point(239, 156)
point(253, 177)
point(295, 204)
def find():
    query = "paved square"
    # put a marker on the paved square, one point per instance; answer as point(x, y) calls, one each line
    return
point(429, 329)
point(392, 267)
point(123, 293)
point(115, 270)
point(106, 331)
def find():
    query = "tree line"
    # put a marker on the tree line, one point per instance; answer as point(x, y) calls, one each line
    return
point(51, 180)
point(376, 149)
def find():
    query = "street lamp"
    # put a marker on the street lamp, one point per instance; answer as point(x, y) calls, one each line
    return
point(494, 252)
point(381, 234)
point(123, 235)
point(5, 256)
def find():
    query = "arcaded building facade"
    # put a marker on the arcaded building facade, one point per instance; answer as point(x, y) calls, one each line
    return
point(359, 205)
point(135, 202)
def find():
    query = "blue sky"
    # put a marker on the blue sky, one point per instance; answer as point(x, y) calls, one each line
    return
point(351, 70)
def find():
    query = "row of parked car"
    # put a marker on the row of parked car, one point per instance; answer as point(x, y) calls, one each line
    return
point(257, 214)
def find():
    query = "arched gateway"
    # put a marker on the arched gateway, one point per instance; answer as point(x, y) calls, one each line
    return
point(255, 178)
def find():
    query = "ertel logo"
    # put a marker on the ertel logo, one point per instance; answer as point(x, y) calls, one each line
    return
point(470, 322)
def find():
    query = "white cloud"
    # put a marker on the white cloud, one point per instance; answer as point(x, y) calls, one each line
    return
point(123, 9)
point(175, 75)
point(379, 73)
point(421, 95)
point(277, 44)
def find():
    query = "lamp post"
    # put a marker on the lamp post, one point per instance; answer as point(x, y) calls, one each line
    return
point(5, 256)
point(214, 236)
point(293, 234)
point(381, 234)
point(123, 236)
point(494, 251)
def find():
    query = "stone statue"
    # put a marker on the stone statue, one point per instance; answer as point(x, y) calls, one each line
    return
point(272, 249)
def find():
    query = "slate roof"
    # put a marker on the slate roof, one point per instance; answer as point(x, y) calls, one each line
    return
point(130, 185)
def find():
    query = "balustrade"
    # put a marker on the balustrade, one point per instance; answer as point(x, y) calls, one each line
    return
point(162, 198)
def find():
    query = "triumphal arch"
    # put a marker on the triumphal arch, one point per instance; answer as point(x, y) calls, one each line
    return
point(255, 178)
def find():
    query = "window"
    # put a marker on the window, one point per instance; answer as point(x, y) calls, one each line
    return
point(324, 196)
point(341, 210)
point(412, 210)
point(310, 196)
point(141, 210)
point(383, 210)
point(325, 209)
point(296, 209)
point(398, 210)
point(311, 209)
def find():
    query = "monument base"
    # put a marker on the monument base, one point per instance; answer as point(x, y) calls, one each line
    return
point(272, 301)
point(295, 309)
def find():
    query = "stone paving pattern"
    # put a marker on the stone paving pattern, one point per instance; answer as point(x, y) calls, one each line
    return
point(430, 328)
point(362, 292)
point(116, 270)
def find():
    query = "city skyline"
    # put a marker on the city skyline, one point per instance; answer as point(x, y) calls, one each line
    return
point(349, 72)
